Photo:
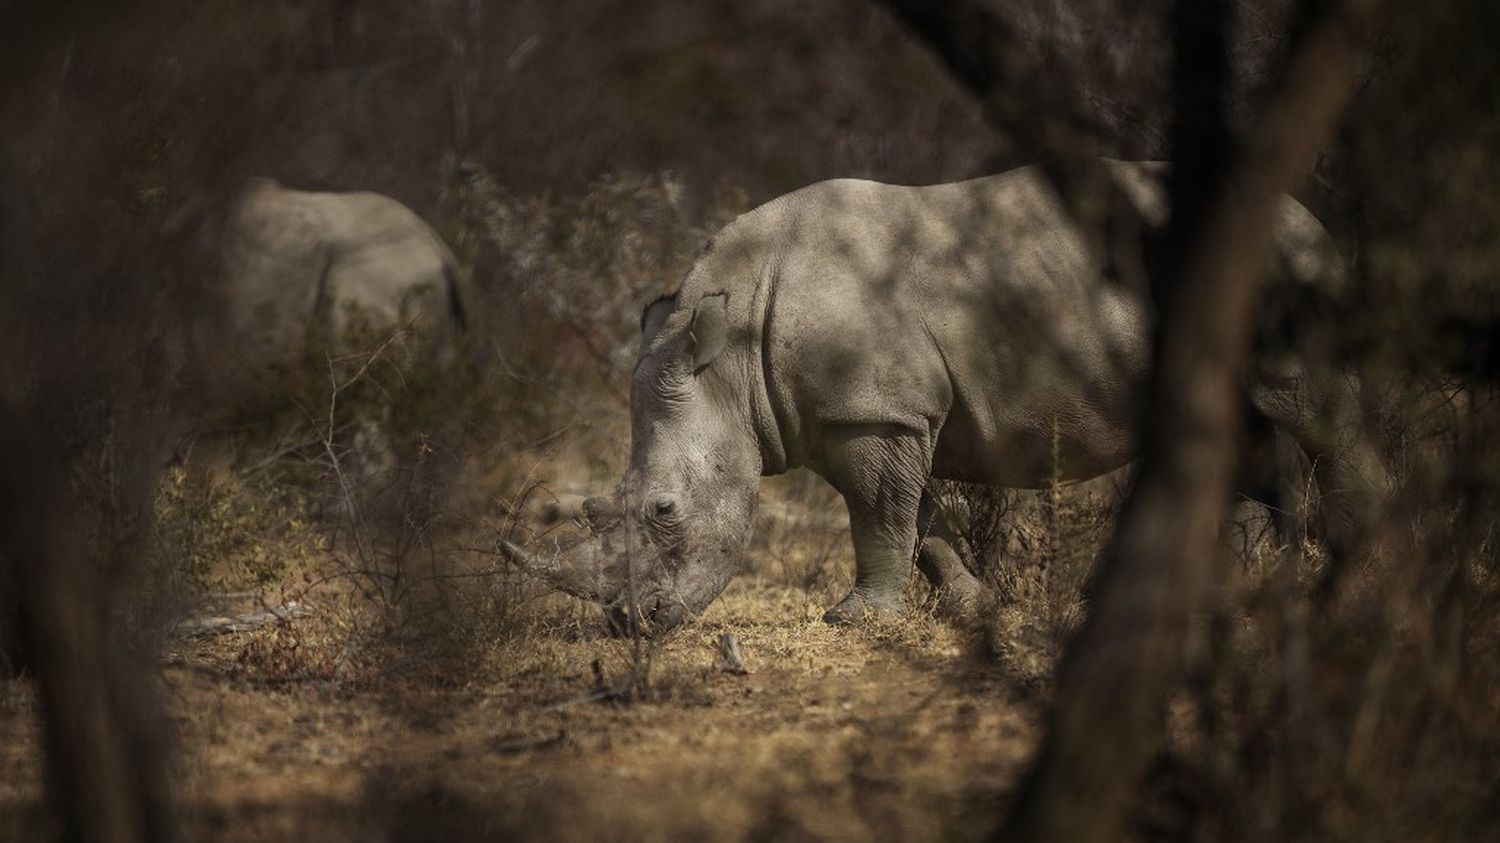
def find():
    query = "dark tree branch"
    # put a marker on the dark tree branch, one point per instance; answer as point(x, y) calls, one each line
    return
point(105, 757)
point(1118, 671)
point(104, 740)
point(1022, 99)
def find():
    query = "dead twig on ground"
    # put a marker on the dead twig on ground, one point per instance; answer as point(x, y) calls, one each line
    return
point(246, 622)
point(730, 660)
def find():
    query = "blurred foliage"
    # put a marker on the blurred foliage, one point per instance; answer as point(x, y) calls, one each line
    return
point(235, 534)
point(560, 281)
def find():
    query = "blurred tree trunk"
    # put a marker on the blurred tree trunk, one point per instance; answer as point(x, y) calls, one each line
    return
point(105, 753)
point(1115, 678)
point(104, 749)
point(1028, 101)
point(1022, 99)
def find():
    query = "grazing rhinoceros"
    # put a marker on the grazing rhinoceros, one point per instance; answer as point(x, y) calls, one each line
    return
point(301, 269)
point(881, 335)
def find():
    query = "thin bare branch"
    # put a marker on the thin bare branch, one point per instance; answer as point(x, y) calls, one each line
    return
point(1118, 671)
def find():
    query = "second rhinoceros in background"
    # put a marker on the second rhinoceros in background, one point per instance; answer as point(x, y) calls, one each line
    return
point(303, 269)
point(881, 335)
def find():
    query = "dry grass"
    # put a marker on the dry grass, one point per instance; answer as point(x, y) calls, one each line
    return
point(484, 708)
point(481, 708)
point(894, 730)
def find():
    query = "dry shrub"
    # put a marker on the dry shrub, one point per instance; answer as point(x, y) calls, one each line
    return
point(802, 535)
point(1034, 549)
point(235, 533)
point(562, 281)
point(335, 499)
point(1354, 699)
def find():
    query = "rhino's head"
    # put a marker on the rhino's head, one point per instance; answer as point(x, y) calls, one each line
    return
point(671, 538)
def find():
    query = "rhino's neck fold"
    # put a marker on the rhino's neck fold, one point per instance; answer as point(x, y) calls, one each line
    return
point(768, 427)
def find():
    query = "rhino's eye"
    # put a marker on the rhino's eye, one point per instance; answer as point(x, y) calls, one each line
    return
point(663, 508)
point(662, 513)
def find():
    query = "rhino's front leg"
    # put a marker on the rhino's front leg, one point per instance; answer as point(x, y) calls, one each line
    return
point(880, 471)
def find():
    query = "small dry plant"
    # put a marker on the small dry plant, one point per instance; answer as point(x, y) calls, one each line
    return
point(802, 534)
point(1035, 550)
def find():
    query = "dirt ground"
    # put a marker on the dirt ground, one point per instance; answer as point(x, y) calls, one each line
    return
point(898, 731)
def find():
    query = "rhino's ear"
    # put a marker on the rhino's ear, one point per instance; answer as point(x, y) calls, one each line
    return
point(654, 316)
point(710, 329)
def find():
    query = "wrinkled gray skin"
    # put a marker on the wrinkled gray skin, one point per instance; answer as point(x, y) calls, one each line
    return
point(879, 335)
point(300, 267)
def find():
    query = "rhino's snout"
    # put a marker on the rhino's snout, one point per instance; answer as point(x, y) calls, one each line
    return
point(667, 615)
point(658, 613)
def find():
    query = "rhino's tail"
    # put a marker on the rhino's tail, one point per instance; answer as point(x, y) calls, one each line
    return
point(455, 298)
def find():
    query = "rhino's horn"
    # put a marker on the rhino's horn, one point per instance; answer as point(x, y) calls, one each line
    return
point(578, 580)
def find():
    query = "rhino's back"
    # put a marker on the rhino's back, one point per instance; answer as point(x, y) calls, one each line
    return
point(274, 243)
point(292, 257)
point(973, 307)
point(391, 267)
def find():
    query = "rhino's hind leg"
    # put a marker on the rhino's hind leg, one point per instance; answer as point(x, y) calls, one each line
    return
point(880, 471)
point(959, 593)
point(1324, 416)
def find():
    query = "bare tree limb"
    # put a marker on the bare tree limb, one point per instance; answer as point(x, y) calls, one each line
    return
point(1130, 653)
point(1022, 99)
point(245, 622)
point(105, 757)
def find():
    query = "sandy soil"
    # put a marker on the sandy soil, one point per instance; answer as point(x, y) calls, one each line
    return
point(898, 731)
